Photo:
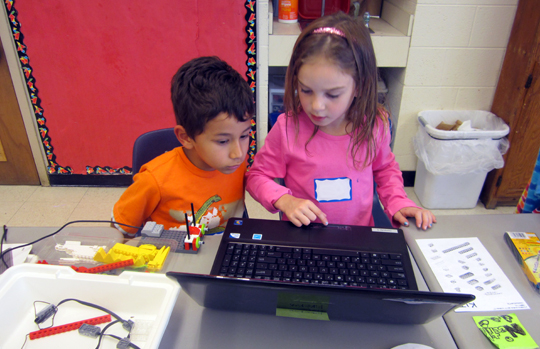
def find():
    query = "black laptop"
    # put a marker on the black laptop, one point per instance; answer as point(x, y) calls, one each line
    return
point(334, 272)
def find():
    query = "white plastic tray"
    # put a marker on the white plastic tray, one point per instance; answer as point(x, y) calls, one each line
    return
point(488, 125)
point(147, 299)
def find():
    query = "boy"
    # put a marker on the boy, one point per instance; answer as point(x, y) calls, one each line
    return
point(213, 106)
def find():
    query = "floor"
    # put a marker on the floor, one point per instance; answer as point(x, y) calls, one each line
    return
point(55, 206)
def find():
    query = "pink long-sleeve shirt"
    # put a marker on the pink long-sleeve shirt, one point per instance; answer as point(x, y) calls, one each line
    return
point(323, 172)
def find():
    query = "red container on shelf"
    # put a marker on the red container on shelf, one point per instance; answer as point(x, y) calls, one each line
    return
point(311, 9)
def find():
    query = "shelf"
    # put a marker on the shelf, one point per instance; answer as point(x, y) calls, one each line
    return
point(391, 46)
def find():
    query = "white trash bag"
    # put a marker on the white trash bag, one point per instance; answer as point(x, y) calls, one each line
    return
point(444, 157)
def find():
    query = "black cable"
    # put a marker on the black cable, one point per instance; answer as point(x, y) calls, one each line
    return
point(109, 325)
point(119, 339)
point(4, 238)
point(128, 323)
point(103, 331)
point(113, 336)
point(56, 232)
point(25, 339)
point(93, 306)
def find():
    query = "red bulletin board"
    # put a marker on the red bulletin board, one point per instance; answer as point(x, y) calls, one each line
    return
point(99, 71)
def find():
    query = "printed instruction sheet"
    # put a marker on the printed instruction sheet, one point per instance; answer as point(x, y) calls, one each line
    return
point(463, 265)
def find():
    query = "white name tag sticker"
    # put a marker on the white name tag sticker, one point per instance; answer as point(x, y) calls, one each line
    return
point(333, 189)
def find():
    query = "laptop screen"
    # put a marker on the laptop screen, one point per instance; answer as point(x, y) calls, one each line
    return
point(321, 302)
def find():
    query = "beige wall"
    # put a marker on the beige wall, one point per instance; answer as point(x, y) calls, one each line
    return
point(455, 57)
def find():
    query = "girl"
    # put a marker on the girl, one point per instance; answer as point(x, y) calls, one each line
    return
point(333, 141)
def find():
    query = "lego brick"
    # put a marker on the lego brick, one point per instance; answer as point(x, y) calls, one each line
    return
point(68, 327)
point(152, 229)
point(105, 267)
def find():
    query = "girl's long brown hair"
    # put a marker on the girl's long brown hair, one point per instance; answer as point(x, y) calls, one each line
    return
point(355, 56)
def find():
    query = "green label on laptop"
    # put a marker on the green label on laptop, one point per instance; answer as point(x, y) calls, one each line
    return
point(303, 306)
point(302, 314)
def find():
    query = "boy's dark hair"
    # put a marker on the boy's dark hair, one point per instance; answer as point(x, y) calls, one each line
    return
point(205, 87)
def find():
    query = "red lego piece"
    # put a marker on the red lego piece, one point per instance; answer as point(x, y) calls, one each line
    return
point(104, 267)
point(69, 327)
point(194, 230)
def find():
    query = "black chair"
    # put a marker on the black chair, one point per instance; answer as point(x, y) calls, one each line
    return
point(152, 144)
point(379, 217)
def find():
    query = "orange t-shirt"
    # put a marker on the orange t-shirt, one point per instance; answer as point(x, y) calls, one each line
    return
point(165, 188)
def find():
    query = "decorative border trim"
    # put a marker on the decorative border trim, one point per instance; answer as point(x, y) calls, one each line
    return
point(53, 167)
point(98, 170)
point(251, 63)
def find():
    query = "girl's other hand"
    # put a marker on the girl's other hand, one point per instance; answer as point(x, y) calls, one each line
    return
point(424, 218)
point(300, 211)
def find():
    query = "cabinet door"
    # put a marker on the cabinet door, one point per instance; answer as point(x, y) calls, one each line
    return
point(517, 101)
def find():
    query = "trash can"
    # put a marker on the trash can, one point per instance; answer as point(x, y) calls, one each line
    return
point(453, 165)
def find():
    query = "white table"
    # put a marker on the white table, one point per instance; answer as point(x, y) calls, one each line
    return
point(192, 326)
point(490, 230)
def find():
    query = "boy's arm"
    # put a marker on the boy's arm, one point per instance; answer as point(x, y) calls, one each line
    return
point(136, 204)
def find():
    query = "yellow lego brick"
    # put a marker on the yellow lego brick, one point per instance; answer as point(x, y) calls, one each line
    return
point(158, 261)
point(148, 251)
point(120, 252)
point(114, 257)
point(125, 250)
point(110, 258)
point(139, 262)
point(145, 251)
point(100, 255)
point(147, 247)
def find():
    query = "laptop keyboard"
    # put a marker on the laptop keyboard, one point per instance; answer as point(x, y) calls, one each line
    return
point(314, 266)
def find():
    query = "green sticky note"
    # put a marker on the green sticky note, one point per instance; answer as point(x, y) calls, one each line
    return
point(505, 331)
point(303, 306)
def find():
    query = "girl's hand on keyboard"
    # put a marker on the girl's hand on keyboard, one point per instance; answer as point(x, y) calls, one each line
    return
point(300, 211)
point(424, 218)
